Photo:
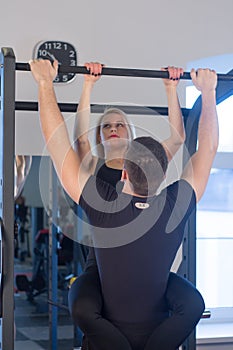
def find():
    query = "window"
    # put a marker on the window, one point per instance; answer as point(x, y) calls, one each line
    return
point(215, 240)
point(225, 113)
point(215, 221)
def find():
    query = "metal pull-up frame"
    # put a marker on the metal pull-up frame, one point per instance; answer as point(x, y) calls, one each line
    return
point(8, 106)
point(7, 150)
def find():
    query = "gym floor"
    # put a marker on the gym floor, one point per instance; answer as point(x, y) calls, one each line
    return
point(32, 319)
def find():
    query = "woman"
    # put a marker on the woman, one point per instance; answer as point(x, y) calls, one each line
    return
point(112, 134)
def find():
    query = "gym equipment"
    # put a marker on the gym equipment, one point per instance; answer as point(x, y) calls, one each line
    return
point(8, 68)
point(7, 244)
point(72, 107)
point(40, 278)
point(122, 72)
point(22, 248)
point(39, 281)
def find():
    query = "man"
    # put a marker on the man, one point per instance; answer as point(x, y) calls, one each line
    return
point(136, 233)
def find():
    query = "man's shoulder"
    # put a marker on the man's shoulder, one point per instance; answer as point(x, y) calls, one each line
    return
point(182, 184)
point(180, 191)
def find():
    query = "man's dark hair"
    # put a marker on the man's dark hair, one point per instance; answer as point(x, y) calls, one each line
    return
point(146, 164)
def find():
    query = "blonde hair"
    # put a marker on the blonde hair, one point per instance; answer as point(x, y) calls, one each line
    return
point(129, 126)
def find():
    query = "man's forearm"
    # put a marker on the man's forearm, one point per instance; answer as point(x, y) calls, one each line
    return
point(50, 115)
point(208, 121)
point(52, 123)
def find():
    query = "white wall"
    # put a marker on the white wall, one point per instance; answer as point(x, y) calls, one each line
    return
point(147, 34)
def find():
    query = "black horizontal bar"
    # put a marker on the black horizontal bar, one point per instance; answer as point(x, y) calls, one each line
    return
point(124, 72)
point(72, 108)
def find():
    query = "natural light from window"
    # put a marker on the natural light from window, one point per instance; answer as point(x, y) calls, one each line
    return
point(225, 113)
point(215, 218)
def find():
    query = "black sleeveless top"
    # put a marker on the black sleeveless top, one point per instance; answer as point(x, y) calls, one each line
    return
point(109, 175)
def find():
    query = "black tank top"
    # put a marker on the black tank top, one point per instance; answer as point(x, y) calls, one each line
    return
point(109, 175)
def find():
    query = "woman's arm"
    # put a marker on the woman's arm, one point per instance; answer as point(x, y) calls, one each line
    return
point(177, 132)
point(81, 127)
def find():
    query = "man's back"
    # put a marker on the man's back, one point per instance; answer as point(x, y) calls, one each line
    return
point(136, 240)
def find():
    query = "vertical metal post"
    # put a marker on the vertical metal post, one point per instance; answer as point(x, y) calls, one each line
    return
point(53, 259)
point(79, 263)
point(7, 148)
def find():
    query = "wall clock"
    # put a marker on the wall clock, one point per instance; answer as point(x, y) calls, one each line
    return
point(63, 51)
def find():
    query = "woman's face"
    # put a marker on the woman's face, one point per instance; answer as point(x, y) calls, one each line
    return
point(113, 127)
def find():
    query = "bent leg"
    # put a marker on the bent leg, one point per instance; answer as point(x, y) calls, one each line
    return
point(85, 305)
point(186, 305)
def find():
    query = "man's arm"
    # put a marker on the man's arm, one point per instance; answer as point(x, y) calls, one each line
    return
point(177, 132)
point(198, 168)
point(65, 160)
point(81, 127)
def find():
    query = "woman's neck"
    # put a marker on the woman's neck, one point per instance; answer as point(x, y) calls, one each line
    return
point(114, 159)
point(116, 163)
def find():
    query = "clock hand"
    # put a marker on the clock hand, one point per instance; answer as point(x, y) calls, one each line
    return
point(52, 56)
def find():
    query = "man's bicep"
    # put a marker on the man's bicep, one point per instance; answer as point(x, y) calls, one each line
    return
point(196, 173)
point(171, 148)
point(73, 176)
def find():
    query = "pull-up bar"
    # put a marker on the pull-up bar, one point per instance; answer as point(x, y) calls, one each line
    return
point(123, 72)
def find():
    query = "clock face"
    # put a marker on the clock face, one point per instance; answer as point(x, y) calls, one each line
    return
point(62, 51)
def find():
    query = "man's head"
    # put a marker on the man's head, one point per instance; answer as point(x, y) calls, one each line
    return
point(146, 164)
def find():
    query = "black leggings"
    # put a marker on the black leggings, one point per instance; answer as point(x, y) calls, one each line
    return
point(85, 303)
